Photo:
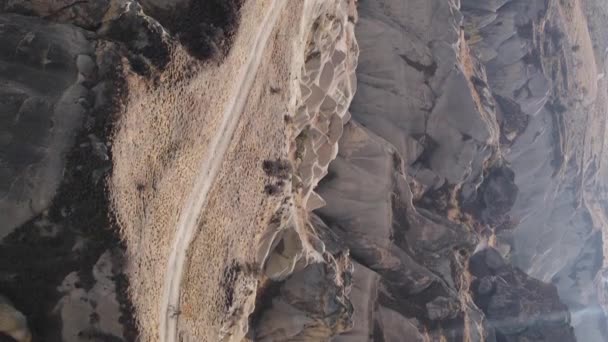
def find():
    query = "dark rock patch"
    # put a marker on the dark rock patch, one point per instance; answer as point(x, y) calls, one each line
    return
point(273, 189)
point(428, 70)
point(512, 122)
point(72, 234)
point(206, 28)
point(495, 197)
point(279, 168)
point(429, 146)
point(4, 338)
point(144, 39)
point(517, 306)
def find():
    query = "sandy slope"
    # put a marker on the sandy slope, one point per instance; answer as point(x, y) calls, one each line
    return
point(168, 143)
point(207, 172)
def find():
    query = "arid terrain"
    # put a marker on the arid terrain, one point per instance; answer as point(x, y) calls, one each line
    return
point(311, 170)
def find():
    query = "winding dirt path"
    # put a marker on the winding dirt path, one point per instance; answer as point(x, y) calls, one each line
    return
point(208, 170)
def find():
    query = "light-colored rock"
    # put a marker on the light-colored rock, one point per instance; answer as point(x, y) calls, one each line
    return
point(312, 305)
point(12, 322)
point(91, 313)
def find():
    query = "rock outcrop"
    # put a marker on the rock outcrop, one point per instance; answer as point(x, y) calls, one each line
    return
point(409, 260)
point(454, 127)
point(517, 307)
point(48, 73)
point(13, 323)
point(311, 270)
point(415, 136)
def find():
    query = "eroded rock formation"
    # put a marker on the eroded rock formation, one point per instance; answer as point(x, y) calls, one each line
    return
point(315, 277)
point(315, 170)
point(456, 136)
point(517, 307)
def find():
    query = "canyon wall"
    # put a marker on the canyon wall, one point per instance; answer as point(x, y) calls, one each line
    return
point(470, 134)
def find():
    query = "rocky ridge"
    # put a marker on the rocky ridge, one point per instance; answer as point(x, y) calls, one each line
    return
point(301, 269)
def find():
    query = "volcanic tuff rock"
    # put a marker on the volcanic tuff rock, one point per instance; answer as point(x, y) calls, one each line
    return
point(518, 307)
point(459, 197)
point(46, 71)
point(455, 108)
point(544, 68)
point(59, 89)
point(316, 271)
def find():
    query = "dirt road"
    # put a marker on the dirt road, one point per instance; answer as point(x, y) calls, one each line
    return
point(208, 170)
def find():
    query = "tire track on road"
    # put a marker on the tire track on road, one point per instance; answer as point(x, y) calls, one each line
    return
point(209, 168)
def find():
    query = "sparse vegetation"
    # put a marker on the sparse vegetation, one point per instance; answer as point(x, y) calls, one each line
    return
point(300, 139)
point(279, 168)
point(272, 189)
point(205, 27)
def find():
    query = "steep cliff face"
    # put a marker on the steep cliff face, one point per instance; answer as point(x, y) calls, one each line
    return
point(305, 293)
point(544, 65)
point(463, 132)
point(423, 126)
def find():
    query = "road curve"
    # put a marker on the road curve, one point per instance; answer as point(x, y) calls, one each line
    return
point(208, 170)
